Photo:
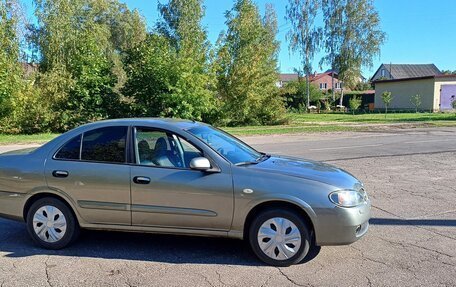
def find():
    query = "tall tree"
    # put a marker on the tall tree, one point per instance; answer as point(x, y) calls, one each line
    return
point(332, 35)
point(359, 40)
point(304, 34)
point(192, 92)
point(247, 66)
point(10, 69)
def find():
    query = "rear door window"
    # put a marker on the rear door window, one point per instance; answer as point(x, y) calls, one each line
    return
point(71, 150)
point(105, 145)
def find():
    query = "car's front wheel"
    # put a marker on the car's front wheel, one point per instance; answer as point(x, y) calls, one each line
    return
point(51, 223)
point(280, 237)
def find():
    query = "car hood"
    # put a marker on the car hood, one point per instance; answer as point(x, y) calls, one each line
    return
point(310, 170)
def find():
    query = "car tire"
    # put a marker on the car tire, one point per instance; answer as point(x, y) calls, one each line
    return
point(282, 248)
point(52, 224)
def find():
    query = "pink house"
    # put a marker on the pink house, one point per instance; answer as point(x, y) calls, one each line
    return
point(323, 81)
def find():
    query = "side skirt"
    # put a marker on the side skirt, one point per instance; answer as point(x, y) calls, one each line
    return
point(164, 230)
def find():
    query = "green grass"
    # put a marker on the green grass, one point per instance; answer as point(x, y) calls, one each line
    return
point(26, 139)
point(334, 122)
point(303, 123)
point(376, 118)
point(287, 129)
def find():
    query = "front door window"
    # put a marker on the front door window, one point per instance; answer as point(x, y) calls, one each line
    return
point(163, 149)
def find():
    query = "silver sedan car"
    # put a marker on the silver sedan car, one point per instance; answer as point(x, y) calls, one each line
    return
point(180, 177)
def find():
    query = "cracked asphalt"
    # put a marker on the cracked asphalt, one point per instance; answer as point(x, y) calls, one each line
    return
point(410, 176)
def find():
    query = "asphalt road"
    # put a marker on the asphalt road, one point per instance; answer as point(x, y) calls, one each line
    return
point(410, 176)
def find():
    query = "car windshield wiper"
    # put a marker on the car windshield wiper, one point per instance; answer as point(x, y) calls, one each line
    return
point(263, 157)
point(246, 163)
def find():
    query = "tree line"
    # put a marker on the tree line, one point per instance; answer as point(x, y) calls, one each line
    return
point(96, 59)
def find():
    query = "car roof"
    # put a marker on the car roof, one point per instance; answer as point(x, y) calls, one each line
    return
point(158, 122)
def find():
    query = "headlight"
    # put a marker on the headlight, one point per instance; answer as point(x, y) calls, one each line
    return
point(348, 198)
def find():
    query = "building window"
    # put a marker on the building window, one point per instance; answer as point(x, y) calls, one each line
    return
point(383, 73)
point(338, 85)
point(323, 86)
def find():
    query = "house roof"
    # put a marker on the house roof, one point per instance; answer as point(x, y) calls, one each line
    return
point(404, 71)
point(288, 77)
point(440, 76)
point(315, 77)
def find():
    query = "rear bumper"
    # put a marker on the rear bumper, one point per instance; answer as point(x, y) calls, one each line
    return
point(341, 226)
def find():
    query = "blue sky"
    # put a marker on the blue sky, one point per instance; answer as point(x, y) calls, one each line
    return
point(418, 31)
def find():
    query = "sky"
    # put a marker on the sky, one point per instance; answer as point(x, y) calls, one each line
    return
point(418, 31)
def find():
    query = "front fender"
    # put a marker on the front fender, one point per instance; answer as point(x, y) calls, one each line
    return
point(241, 214)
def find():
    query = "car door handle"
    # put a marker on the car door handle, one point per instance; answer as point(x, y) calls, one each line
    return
point(60, 173)
point(141, 180)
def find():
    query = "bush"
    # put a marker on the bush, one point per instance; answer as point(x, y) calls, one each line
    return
point(30, 113)
point(295, 95)
point(355, 103)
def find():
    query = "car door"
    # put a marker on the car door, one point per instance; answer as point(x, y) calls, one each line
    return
point(165, 192)
point(92, 170)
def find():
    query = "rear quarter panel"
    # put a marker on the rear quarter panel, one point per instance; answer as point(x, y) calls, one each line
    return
point(20, 176)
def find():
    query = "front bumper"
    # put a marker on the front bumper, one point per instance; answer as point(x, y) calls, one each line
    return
point(341, 226)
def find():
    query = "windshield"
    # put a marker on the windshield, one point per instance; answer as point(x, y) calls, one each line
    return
point(226, 145)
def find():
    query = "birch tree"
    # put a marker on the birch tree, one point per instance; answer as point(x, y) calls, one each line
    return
point(304, 35)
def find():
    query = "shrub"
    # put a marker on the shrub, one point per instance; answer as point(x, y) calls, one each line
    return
point(355, 103)
point(387, 97)
point(416, 101)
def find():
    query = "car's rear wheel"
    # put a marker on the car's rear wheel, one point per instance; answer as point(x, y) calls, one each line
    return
point(280, 237)
point(51, 224)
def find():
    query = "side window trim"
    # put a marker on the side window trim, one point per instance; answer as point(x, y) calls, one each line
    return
point(126, 156)
point(80, 147)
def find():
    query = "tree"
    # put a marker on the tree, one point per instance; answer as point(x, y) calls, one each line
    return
point(416, 102)
point(387, 98)
point(332, 35)
point(355, 103)
point(81, 44)
point(247, 67)
point(363, 86)
point(449, 72)
point(453, 105)
point(353, 36)
point(304, 35)
point(151, 76)
point(10, 69)
point(192, 94)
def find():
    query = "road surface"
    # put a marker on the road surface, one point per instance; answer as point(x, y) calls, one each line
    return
point(410, 176)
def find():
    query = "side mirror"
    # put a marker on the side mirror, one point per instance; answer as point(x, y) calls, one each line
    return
point(200, 163)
